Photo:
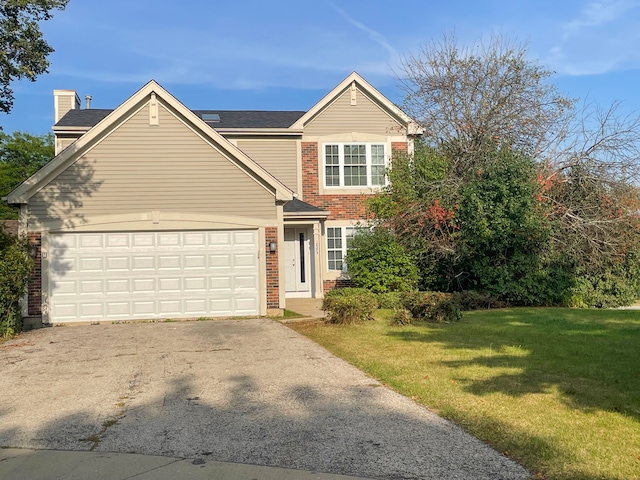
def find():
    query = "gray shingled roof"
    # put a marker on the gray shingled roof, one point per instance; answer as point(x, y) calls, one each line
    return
point(83, 118)
point(228, 118)
point(298, 206)
point(252, 118)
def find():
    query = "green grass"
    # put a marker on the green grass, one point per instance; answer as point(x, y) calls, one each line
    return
point(557, 390)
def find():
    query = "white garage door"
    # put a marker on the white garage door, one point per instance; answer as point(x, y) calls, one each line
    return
point(147, 275)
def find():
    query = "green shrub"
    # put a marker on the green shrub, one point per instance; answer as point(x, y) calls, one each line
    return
point(389, 300)
point(15, 270)
point(401, 316)
point(474, 300)
point(444, 311)
point(349, 305)
point(432, 306)
point(376, 261)
point(609, 290)
point(346, 292)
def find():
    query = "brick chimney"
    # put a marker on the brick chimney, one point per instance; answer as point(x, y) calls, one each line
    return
point(63, 101)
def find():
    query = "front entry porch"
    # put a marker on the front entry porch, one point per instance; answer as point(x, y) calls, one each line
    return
point(302, 251)
point(298, 262)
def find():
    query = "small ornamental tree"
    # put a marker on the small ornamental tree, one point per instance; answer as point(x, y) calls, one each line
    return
point(376, 261)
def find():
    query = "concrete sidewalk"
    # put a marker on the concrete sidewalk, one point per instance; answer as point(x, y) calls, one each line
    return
point(18, 464)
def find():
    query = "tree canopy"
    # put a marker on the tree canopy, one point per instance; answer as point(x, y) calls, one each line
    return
point(21, 155)
point(514, 189)
point(23, 50)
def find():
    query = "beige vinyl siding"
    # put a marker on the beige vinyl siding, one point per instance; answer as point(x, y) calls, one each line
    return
point(278, 157)
point(342, 117)
point(64, 142)
point(141, 168)
point(65, 103)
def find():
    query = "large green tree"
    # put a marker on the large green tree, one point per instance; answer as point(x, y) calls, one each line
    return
point(21, 155)
point(513, 189)
point(23, 50)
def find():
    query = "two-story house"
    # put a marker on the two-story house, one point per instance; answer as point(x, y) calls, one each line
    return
point(152, 210)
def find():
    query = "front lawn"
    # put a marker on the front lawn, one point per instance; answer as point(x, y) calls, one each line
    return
point(557, 390)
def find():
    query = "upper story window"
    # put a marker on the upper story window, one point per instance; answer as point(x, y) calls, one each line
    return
point(354, 165)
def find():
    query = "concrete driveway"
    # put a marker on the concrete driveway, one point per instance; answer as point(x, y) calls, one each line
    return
point(246, 391)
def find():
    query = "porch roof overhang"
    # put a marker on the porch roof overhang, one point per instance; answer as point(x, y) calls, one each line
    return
point(296, 209)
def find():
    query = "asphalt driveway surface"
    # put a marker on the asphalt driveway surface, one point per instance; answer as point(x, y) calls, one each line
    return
point(247, 391)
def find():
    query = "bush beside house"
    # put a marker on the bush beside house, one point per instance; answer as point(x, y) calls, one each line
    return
point(15, 269)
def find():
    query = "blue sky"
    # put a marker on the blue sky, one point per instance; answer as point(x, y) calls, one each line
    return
point(285, 55)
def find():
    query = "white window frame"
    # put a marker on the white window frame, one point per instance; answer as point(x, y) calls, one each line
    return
point(369, 147)
point(346, 234)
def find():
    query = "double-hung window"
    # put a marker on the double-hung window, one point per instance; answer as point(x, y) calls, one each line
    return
point(354, 165)
point(338, 242)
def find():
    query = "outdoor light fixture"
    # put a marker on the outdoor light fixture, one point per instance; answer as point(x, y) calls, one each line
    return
point(272, 247)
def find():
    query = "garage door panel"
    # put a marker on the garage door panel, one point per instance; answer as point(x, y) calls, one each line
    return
point(91, 286)
point(117, 240)
point(220, 261)
point(169, 285)
point(170, 307)
point(144, 285)
point(153, 275)
point(195, 262)
point(196, 306)
point(91, 310)
point(243, 238)
point(66, 288)
point(91, 264)
point(195, 240)
point(90, 242)
point(195, 284)
point(245, 304)
point(143, 240)
point(222, 305)
point(169, 240)
point(245, 282)
point(118, 286)
point(143, 263)
point(143, 308)
point(117, 264)
point(220, 239)
point(244, 260)
point(117, 309)
point(169, 262)
point(220, 283)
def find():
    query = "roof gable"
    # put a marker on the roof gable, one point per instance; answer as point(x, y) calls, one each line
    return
point(372, 93)
point(108, 123)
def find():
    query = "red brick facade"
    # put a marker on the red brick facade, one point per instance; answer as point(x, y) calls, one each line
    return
point(341, 206)
point(273, 277)
point(34, 288)
point(337, 283)
point(400, 147)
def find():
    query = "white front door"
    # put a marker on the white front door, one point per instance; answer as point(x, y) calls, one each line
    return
point(297, 249)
